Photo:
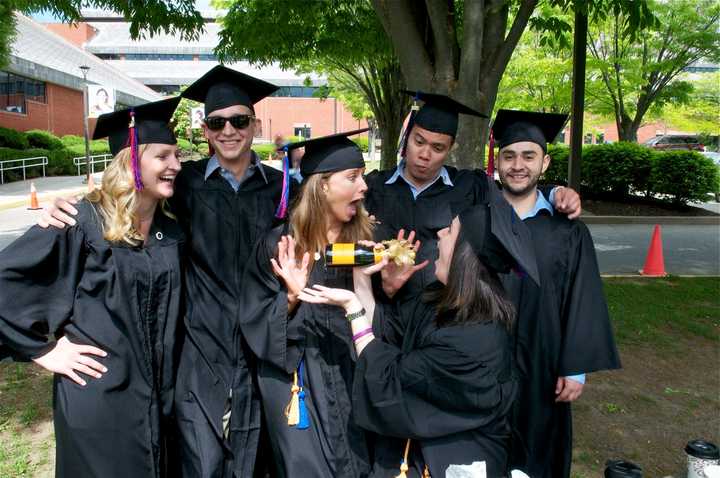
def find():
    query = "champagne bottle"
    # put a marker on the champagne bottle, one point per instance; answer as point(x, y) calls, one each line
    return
point(348, 254)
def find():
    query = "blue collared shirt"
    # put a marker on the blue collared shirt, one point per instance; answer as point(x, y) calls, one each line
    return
point(400, 173)
point(543, 204)
point(255, 164)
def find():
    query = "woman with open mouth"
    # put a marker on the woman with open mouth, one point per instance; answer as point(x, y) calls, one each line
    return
point(98, 304)
point(306, 353)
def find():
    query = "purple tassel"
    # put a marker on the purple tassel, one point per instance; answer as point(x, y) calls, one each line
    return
point(134, 156)
point(282, 208)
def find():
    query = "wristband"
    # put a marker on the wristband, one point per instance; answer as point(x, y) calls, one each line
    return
point(362, 334)
point(355, 315)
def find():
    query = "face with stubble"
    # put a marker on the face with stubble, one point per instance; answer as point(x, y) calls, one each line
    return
point(520, 166)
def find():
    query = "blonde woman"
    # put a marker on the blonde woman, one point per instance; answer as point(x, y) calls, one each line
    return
point(98, 305)
point(306, 354)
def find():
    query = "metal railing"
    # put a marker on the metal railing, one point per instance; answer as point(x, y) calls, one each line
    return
point(94, 159)
point(23, 163)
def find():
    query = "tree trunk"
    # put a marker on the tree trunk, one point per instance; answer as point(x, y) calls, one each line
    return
point(627, 129)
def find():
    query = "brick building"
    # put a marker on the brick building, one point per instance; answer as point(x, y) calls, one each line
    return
point(42, 87)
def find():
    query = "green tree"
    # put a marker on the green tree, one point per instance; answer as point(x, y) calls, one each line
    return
point(463, 48)
point(342, 39)
point(701, 113)
point(641, 73)
point(146, 18)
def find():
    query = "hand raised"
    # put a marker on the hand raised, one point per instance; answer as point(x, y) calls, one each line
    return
point(294, 274)
point(59, 214)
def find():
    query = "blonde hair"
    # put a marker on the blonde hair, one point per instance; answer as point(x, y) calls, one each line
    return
point(117, 200)
point(309, 218)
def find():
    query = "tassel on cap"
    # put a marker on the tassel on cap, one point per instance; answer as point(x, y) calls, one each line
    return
point(411, 122)
point(282, 208)
point(491, 155)
point(134, 156)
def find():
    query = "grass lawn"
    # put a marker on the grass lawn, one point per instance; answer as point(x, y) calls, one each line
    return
point(668, 392)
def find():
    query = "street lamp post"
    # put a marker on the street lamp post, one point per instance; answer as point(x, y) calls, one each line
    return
point(85, 69)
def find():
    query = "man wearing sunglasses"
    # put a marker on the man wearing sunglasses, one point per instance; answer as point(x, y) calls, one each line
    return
point(224, 203)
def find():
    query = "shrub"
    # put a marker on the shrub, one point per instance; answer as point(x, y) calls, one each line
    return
point(9, 138)
point(16, 174)
point(203, 149)
point(43, 139)
point(616, 168)
point(556, 173)
point(362, 143)
point(263, 150)
point(72, 140)
point(684, 175)
point(183, 144)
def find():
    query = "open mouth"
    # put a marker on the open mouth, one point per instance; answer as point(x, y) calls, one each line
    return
point(167, 179)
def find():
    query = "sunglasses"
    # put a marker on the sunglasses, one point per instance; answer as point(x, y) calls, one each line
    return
point(216, 123)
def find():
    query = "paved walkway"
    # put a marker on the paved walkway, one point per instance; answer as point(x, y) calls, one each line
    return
point(17, 193)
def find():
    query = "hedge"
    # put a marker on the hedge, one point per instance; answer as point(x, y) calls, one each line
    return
point(263, 150)
point(619, 169)
point(43, 139)
point(362, 143)
point(684, 175)
point(9, 138)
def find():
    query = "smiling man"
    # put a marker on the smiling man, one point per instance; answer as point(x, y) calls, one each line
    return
point(224, 203)
point(423, 194)
point(563, 328)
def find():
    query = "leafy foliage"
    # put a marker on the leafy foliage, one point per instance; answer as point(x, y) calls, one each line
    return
point(684, 175)
point(43, 139)
point(10, 138)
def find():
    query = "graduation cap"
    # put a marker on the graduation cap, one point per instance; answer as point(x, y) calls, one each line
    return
point(439, 113)
point(222, 87)
point(322, 155)
point(512, 126)
point(330, 153)
point(131, 127)
point(498, 236)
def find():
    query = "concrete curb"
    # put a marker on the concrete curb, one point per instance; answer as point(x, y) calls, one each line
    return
point(670, 220)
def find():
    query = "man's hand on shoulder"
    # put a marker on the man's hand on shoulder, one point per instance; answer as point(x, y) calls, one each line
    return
point(567, 201)
point(59, 214)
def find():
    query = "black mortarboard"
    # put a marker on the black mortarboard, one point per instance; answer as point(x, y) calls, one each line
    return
point(222, 87)
point(330, 153)
point(150, 123)
point(439, 113)
point(498, 236)
point(512, 126)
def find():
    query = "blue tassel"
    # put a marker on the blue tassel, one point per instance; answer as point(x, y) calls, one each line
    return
point(304, 422)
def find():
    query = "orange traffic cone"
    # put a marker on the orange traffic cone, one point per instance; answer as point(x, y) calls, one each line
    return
point(654, 262)
point(33, 198)
point(91, 184)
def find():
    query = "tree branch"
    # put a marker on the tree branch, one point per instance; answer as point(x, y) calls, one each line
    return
point(444, 41)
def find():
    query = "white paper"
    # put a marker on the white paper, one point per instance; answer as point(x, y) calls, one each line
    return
point(476, 470)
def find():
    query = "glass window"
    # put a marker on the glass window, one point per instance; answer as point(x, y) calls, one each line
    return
point(302, 131)
point(15, 90)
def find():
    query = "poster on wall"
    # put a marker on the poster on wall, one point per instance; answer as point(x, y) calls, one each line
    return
point(196, 117)
point(101, 99)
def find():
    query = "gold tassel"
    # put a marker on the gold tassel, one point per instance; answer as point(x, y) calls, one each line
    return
point(292, 410)
point(404, 463)
point(426, 472)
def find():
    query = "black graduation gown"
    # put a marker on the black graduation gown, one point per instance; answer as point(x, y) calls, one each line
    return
point(125, 300)
point(450, 389)
point(563, 329)
point(332, 446)
point(434, 209)
point(222, 226)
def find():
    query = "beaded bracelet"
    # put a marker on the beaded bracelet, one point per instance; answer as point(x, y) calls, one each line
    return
point(362, 334)
point(355, 315)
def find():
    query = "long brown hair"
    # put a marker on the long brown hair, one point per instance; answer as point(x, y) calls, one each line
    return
point(309, 218)
point(473, 292)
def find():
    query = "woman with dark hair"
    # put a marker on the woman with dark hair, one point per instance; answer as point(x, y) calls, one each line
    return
point(434, 376)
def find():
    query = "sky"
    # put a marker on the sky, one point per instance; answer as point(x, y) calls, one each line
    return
point(48, 18)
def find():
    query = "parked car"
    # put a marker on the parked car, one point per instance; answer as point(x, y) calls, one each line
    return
point(675, 141)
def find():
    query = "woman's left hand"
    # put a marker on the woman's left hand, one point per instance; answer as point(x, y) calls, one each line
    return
point(292, 272)
point(319, 294)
